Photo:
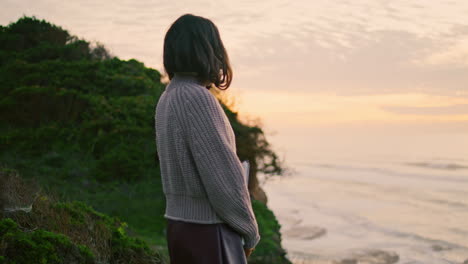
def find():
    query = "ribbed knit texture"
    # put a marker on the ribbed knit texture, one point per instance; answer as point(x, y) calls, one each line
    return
point(202, 176)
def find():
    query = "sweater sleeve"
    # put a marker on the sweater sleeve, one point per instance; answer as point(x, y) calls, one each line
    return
point(219, 167)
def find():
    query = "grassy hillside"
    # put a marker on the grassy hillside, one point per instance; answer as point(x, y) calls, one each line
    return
point(36, 228)
point(81, 123)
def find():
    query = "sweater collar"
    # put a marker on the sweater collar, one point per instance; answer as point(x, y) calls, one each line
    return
point(183, 78)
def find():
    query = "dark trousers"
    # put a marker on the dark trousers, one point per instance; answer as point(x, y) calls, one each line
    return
point(194, 243)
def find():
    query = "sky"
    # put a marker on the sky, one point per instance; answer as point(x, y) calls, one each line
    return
point(349, 67)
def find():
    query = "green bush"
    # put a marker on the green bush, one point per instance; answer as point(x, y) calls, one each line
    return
point(39, 246)
point(269, 248)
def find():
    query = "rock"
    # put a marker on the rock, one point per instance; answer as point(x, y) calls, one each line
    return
point(375, 256)
point(437, 247)
point(259, 194)
point(305, 232)
point(346, 261)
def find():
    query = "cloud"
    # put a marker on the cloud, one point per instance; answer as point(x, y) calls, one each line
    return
point(456, 109)
point(348, 47)
point(454, 54)
point(377, 62)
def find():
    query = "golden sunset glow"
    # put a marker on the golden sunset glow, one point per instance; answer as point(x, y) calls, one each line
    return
point(304, 108)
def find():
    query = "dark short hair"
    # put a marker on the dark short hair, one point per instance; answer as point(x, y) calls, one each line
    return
point(193, 44)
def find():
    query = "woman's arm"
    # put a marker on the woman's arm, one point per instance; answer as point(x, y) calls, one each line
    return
point(220, 169)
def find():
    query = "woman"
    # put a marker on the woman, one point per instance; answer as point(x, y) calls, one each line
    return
point(208, 207)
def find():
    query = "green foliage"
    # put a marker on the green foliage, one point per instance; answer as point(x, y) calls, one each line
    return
point(252, 145)
point(63, 232)
point(39, 246)
point(103, 108)
point(269, 248)
point(123, 248)
point(33, 40)
point(29, 32)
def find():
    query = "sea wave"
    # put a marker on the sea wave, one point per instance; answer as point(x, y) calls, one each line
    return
point(438, 165)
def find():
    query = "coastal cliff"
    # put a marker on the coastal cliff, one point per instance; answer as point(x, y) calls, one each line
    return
point(79, 121)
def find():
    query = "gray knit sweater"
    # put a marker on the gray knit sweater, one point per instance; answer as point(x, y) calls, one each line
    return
point(202, 176)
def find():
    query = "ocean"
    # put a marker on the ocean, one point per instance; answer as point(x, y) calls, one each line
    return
point(379, 204)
